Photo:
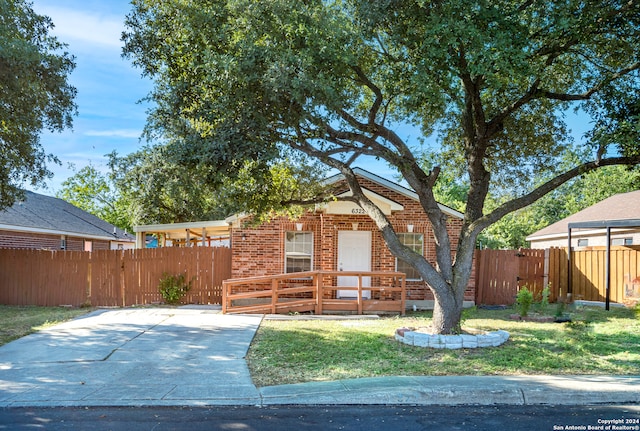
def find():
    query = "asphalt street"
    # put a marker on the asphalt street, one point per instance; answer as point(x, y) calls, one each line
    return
point(325, 418)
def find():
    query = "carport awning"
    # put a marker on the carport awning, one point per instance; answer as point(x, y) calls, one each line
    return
point(608, 225)
point(200, 230)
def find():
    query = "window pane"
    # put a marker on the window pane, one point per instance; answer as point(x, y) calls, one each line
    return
point(415, 241)
point(298, 250)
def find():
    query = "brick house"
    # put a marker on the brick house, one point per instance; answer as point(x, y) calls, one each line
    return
point(339, 236)
point(44, 222)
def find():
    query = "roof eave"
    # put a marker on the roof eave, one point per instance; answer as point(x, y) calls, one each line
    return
point(36, 230)
point(392, 186)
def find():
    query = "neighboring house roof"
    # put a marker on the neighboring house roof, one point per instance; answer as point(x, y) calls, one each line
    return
point(392, 186)
point(48, 215)
point(623, 206)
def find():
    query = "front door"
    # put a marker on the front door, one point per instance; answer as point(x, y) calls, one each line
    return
point(354, 254)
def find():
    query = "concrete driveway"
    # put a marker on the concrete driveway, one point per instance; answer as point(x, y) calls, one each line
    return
point(146, 356)
point(194, 356)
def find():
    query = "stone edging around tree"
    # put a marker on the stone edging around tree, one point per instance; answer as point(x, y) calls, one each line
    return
point(463, 341)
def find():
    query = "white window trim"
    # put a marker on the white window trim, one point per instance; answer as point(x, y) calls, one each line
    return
point(293, 254)
point(422, 253)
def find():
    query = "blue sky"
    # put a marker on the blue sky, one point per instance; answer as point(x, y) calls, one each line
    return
point(109, 117)
point(109, 89)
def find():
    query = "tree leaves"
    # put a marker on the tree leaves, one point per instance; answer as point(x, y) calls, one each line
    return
point(241, 81)
point(34, 95)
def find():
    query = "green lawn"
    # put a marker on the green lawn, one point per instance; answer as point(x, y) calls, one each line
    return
point(16, 322)
point(596, 342)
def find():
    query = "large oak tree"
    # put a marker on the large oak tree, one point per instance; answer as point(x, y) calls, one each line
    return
point(248, 80)
point(34, 95)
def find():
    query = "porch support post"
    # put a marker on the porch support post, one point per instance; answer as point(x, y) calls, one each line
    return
point(607, 269)
point(140, 239)
point(569, 269)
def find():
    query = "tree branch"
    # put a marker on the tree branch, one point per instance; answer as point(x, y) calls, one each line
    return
point(523, 201)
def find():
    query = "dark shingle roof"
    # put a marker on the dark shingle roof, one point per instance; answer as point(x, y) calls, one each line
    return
point(46, 213)
point(623, 206)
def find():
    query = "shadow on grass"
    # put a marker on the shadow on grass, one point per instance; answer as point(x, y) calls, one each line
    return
point(293, 352)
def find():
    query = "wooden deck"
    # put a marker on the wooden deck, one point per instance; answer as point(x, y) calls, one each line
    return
point(318, 292)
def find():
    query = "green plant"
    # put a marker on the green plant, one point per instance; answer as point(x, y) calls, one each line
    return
point(524, 299)
point(280, 352)
point(173, 287)
point(560, 308)
point(543, 303)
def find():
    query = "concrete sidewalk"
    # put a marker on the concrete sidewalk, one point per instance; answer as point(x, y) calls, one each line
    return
point(194, 356)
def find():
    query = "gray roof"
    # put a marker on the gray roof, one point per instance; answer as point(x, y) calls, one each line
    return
point(46, 214)
point(623, 206)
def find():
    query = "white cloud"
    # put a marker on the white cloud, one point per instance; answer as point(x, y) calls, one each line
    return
point(81, 27)
point(118, 133)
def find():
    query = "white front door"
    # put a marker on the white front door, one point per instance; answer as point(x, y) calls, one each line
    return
point(354, 254)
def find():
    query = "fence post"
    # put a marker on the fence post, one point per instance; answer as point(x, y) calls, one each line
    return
point(122, 278)
point(319, 295)
point(403, 295)
point(89, 293)
point(274, 295)
point(224, 296)
point(359, 293)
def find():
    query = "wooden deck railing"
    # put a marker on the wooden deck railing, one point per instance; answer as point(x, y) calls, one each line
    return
point(317, 292)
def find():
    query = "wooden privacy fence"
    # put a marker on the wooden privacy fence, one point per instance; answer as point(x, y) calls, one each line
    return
point(110, 277)
point(500, 273)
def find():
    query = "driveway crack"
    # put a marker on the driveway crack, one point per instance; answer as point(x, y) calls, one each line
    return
point(151, 328)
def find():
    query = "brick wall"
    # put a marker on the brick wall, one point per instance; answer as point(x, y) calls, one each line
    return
point(10, 239)
point(259, 250)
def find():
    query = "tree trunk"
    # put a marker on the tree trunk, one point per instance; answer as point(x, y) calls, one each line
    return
point(447, 312)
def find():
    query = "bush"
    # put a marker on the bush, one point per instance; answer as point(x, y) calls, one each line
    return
point(524, 299)
point(543, 303)
point(173, 287)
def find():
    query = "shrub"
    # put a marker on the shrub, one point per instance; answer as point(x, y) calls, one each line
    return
point(173, 287)
point(543, 303)
point(524, 299)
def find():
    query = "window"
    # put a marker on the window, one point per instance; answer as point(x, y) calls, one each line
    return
point(415, 241)
point(583, 242)
point(298, 251)
point(622, 241)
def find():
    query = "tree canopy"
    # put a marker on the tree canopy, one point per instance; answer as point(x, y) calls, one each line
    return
point(34, 95)
point(241, 80)
point(93, 191)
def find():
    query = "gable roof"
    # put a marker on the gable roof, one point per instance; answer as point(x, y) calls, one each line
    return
point(623, 206)
point(45, 214)
point(392, 186)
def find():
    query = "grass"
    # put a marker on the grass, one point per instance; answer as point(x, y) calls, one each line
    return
point(16, 322)
point(293, 351)
point(595, 342)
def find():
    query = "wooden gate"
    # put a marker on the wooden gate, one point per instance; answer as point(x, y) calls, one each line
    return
point(500, 273)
